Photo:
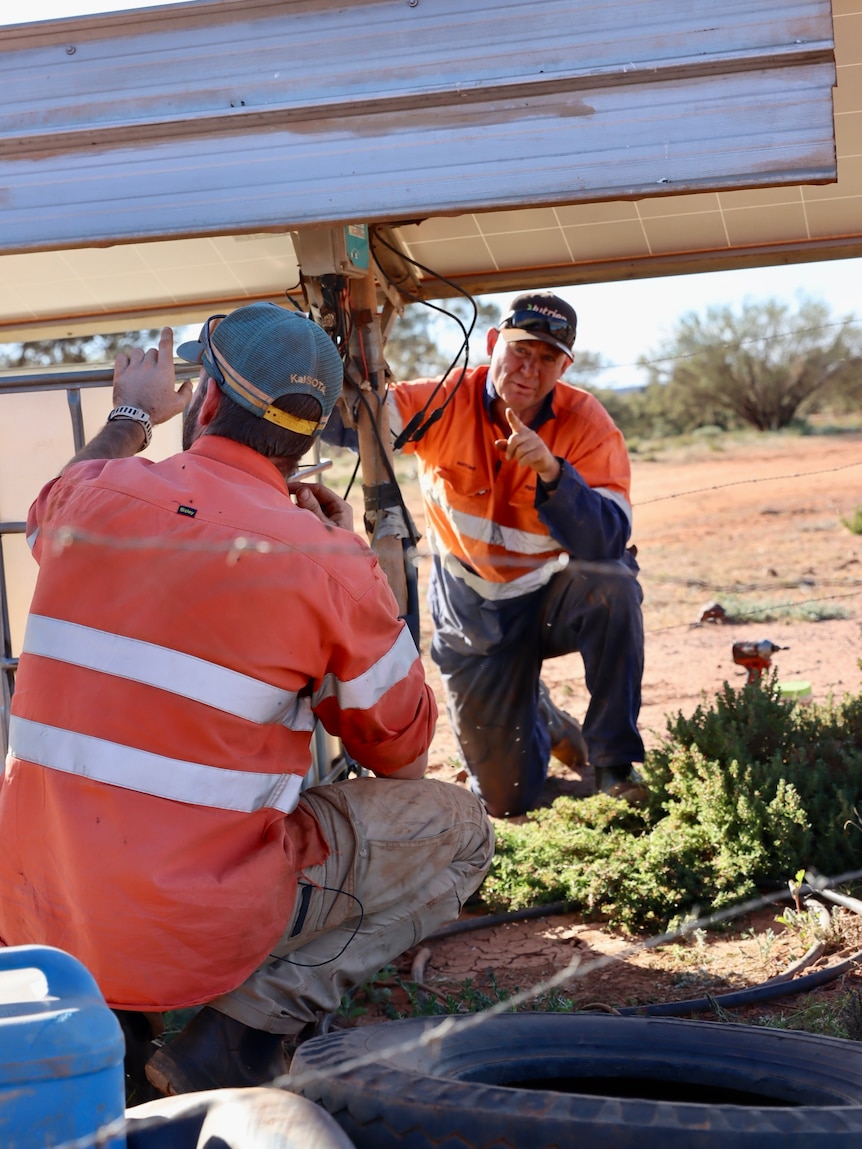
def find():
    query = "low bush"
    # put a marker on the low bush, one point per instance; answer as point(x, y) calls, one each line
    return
point(748, 790)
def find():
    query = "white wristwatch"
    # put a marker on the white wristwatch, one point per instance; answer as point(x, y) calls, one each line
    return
point(136, 415)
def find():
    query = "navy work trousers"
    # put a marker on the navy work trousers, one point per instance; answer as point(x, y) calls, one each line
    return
point(492, 685)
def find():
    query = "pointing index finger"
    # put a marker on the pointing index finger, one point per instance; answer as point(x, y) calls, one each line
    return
point(513, 420)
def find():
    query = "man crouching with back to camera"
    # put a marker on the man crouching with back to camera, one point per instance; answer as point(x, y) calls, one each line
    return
point(192, 618)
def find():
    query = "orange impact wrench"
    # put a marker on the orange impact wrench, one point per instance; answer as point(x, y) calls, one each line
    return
point(755, 656)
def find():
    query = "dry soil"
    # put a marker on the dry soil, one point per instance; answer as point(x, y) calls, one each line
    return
point(753, 523)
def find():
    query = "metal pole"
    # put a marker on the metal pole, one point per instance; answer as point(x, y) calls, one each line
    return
point(8, 664)
point(73, 397)
point(372, 429)
point(62, 378)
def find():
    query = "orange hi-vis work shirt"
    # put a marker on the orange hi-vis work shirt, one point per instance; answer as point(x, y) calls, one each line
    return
point(189, 624)
point(481, 508)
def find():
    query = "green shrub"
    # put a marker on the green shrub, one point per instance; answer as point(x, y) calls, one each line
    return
point(747, 789)
point(811, 610)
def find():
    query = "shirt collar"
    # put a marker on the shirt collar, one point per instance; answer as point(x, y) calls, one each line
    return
point(237, 455)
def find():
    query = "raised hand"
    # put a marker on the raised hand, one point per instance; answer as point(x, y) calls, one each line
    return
point(527, 448)
point(147, 379)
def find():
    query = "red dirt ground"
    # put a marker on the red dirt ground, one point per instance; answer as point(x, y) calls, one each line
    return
point(749, 523)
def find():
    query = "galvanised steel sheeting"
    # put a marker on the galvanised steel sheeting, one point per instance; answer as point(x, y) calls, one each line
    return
point(224, 116)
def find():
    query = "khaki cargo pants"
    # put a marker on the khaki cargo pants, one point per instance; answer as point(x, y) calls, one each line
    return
point(405, 857)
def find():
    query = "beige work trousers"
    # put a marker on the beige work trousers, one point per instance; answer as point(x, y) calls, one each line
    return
point(405, 856)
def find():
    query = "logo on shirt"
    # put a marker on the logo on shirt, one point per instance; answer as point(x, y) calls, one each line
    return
point(190, 512)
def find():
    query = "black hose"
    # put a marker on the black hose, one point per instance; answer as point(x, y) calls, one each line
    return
point(489, 920)
point(756, 993)
point(766, 991)
point(840, 900)
point(551, 908)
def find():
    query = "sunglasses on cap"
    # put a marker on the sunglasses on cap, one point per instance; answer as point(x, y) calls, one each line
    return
point(557, 326)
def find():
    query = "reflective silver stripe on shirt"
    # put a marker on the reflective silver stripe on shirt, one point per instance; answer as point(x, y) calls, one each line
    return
point(496, 591)
point(146, 773)
point(486, 530)
point(618, 500)
point(367, 689)
point(31, 538)
point(167, 669)
point(396, 423)
point(494, 534)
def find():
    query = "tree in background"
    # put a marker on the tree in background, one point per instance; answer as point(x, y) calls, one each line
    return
point(424, 342)
point(584, 369)
point(761, 367)
point(81, 349)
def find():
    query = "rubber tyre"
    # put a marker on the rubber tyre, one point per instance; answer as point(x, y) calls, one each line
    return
point(254, 1118)
point(445, 1082)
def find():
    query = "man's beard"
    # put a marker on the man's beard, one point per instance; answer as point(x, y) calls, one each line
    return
point(191, 430)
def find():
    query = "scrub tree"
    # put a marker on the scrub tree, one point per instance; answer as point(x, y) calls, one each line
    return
point(80, 349)
point(424, 340)
point(762, 366)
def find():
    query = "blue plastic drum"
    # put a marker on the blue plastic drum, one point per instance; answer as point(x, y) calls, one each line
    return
point(61, 1053)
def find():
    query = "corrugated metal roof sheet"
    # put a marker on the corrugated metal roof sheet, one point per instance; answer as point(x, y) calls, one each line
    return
point(532, 140)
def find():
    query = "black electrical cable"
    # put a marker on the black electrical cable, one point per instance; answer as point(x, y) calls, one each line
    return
point(352, 478)
point(327, 961)
point(288, 295)
point(334, 292)
point(336, 303)
point(421, 421)
point(345, 324)
point(416, 428)
point(390, 470)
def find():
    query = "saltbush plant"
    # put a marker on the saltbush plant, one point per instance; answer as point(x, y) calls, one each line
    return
point(746, 791)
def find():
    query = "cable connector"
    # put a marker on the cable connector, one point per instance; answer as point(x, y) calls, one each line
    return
point(429, 422)
point(407, 432)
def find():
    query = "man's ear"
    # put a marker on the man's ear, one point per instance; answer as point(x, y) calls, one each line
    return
point(491, 339)
point(210, 403)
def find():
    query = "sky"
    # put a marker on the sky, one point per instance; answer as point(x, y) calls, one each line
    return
point(621, 321)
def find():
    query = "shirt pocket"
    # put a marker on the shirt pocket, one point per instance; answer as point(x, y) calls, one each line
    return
point(467, 484)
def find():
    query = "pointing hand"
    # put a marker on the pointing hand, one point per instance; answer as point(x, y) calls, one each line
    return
point(528, 449)
point(147, 379)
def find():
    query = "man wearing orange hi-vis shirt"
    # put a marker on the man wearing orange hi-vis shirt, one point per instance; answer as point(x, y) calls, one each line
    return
point(193, 619)
point(525, 482)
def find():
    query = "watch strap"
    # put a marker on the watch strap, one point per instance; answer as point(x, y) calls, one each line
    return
point(135, 415)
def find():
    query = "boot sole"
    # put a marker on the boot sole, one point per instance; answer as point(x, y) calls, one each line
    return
point(164, 1074)
point(570, 753)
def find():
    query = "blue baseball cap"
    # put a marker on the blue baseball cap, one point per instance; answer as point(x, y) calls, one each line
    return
point(262, 352)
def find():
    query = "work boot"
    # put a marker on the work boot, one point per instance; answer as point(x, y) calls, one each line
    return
point(216, 1052)
point(567, 741)
point(621, 782)
point(139, 1033)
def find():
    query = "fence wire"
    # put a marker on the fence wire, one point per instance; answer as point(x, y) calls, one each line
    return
point(240, 547)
